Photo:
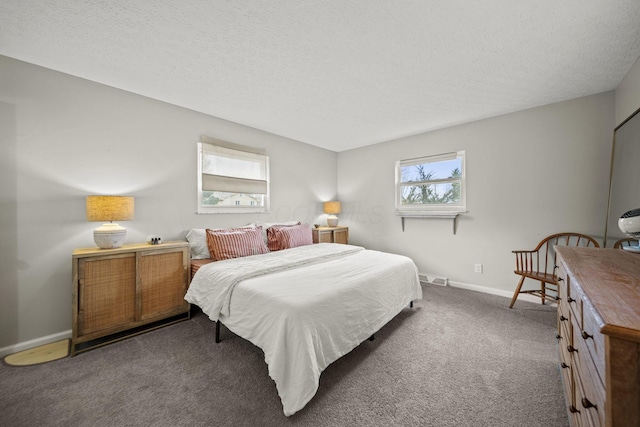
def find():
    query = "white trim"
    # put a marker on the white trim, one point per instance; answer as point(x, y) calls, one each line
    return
point(36, 342)
point(423, 210)
point(493, 291)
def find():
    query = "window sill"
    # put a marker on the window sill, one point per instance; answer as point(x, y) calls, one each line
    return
point(434, 214)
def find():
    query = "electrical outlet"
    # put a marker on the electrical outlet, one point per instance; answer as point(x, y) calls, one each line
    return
point(478, 268)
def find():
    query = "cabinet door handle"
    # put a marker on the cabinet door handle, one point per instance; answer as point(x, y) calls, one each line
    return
point(573, 409)
point(571, 349)
point(587, 404)
point(564, 365)
point(563, 319)
point(558, 337)
point(586, 336)
point(560, 279)
point(570, 299)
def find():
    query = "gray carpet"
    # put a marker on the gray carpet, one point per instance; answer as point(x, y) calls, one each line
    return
point(459, 358)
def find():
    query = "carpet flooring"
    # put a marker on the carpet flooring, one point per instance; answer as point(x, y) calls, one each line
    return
point(458, 358)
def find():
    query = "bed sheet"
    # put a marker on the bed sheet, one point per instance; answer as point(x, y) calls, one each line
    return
point(306, 307)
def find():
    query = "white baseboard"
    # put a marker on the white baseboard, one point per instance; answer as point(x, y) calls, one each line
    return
point(487, 290)
point(5, 351)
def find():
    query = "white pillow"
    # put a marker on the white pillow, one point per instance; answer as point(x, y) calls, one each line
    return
point(197, 238)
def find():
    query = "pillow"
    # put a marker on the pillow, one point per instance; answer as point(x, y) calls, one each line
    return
point(273, 242)
point(266, 225)
point(235, 243)
point(197, 238)
point(293, 236)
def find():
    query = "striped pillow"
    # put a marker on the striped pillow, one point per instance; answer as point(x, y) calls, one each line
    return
point(297, 235)
point(273, 241)
point(235, 243)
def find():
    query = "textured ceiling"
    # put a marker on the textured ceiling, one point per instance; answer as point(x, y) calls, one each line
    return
point(338, 74)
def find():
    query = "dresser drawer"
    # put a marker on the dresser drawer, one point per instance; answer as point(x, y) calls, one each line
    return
point(590, 393)
point(593, 341)
point(564, 340)
point(575, 303)
point(563, 289)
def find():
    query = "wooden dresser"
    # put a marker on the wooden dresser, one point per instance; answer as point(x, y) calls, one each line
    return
point(599, 335)
point(125, 291)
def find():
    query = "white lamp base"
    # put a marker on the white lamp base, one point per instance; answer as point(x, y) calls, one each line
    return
point(332, 221)
point(109, 236)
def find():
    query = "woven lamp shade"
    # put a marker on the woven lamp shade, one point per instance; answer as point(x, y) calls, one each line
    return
point(332, 208)
point(109, 208)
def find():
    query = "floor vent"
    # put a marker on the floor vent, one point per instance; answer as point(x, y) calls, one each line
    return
point(434, 280)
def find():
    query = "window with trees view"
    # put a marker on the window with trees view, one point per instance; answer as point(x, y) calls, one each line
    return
point(232, 178)
point(431, 185)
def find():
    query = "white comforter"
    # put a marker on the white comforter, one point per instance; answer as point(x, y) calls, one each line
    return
point(305, 307)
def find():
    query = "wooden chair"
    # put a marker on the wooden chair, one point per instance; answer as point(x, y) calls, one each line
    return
point(622, 243)
point(540, 264)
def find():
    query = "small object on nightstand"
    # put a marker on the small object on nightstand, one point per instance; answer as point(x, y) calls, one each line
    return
point(154, 239)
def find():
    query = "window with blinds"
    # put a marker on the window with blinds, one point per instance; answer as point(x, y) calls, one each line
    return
point(232, 178)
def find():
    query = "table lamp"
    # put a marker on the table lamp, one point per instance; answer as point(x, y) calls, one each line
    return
point(109, 208)
point(332, 208)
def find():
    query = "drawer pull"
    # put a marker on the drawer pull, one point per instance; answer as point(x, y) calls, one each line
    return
point(560, 279)
point(587, 404)
point(571, 349)
point(558, 337)
point(570, 299)
point(562, 318)
point(564, 365)
point(573, 409)
point(586, 336)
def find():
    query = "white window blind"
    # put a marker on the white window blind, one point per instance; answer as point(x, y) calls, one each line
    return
point(231, 177)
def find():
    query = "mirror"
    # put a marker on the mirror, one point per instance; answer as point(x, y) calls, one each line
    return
point(624, 185)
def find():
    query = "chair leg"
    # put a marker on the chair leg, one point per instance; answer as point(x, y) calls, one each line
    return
point(517, 292)
point(543, 291)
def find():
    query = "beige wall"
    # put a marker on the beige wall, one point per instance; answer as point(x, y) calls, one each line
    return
point(63, 138)
point(529, 174)
point(628, 94)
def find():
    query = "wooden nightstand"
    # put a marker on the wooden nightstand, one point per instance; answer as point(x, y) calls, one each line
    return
point(122, 292)
point(331, 235)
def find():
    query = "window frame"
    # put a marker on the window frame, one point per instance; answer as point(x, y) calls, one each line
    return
point(200, 184)
point(427, 210)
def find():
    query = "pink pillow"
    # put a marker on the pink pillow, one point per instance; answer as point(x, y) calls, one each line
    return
point(273, 242)
point(297, 235)
point(235, 243)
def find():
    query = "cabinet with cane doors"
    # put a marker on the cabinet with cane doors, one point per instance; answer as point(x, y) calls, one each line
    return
point(599, 335)
point(330, 235)
point(121, 292)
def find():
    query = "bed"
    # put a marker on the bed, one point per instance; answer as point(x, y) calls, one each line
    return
point(305, 306)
